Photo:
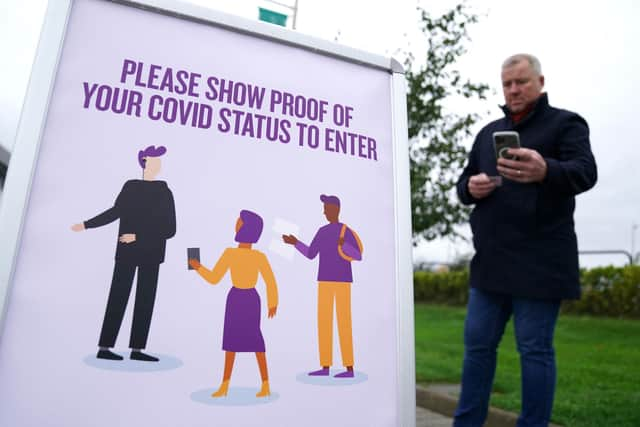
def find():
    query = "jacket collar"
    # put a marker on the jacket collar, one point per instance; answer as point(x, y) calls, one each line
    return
point(539, 104)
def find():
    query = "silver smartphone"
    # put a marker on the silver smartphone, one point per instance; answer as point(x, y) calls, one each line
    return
point(503, 140)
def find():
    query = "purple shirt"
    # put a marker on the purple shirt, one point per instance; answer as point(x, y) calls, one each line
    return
point(332, 267)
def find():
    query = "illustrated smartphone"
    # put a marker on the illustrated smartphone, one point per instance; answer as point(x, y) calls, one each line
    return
point(504, 140)
point(192, 253)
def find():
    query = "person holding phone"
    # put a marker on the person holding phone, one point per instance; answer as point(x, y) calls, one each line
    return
point(242, 331)
point(526, 257)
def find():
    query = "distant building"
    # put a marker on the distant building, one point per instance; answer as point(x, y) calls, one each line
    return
point(442, 268)
point(4, 163)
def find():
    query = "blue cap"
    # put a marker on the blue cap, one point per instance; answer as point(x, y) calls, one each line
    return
point(332, 200)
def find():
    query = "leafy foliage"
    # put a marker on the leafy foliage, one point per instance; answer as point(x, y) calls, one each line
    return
point(437, 153)
point(606, 291)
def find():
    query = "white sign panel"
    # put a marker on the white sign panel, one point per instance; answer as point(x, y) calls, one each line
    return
point(274, 169)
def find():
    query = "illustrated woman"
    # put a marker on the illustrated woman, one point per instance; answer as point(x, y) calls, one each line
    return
point(242, 313)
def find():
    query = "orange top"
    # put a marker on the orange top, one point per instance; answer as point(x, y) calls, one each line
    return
point(245, 264)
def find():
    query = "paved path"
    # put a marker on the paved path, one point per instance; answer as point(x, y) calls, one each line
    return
point(427, 418)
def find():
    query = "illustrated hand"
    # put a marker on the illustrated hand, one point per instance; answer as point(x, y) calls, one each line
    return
point(78, 227)
point(272, 311)
point(290, 239)
point(127, 238)
point(480, 186)
point(194, 263)
point(530, 166)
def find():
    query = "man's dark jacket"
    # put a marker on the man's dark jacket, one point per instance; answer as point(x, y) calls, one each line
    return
point(524, 234)
point(146, 209)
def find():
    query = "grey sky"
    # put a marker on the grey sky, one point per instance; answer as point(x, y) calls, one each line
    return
point(588, 55)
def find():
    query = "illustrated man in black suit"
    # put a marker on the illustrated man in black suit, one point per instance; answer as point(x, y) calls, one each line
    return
point(146, 212)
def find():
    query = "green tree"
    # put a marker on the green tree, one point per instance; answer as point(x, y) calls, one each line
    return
point(436, 136)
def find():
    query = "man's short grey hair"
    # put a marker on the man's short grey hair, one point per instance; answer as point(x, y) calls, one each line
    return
point(532, 60)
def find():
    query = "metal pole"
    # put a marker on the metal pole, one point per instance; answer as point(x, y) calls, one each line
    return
point(609, 252)
point(295, 14)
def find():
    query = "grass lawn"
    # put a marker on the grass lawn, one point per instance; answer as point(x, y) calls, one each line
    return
point(598, 363)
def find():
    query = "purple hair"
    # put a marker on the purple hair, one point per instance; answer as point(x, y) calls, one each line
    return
point(251, 227)
point(150, 151)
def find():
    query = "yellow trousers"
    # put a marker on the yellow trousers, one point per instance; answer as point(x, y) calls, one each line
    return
point(340, 292)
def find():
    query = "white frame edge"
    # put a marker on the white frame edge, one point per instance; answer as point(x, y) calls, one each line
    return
point(404, 264)
point(33, 119)
point(27, 142)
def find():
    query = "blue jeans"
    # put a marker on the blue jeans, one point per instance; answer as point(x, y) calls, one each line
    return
point(534, 322)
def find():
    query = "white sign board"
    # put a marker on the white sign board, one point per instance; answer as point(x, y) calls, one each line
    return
point(155, 130)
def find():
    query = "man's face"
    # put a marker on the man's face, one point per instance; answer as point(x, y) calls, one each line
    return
point(521, 86)
point(152, 166)
point(331, 212)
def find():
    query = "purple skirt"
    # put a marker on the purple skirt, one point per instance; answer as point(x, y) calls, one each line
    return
point(242, 322)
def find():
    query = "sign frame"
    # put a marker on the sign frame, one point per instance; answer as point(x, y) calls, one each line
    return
point(24, 158)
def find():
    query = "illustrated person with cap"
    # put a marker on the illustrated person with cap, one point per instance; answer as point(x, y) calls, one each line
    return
point(146, 211)
point(337, 245)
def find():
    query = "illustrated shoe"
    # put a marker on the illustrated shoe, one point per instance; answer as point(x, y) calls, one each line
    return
point(264, 391)
point(324, 372)
point(222, 391)
point(108, 355)
point(138, 355)
point(345, 374)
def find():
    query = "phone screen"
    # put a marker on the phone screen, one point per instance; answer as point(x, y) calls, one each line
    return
point(192, 253)
point(502, 141)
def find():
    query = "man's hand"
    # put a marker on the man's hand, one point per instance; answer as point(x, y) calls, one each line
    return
point(480, 186)
point(530, 166)
point(194, 263)
point(272, 311)
point(127, 238)
point(290, 239)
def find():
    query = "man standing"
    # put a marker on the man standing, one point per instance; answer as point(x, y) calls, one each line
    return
point(146, 212)
point(526, 258)
point(337, 246)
